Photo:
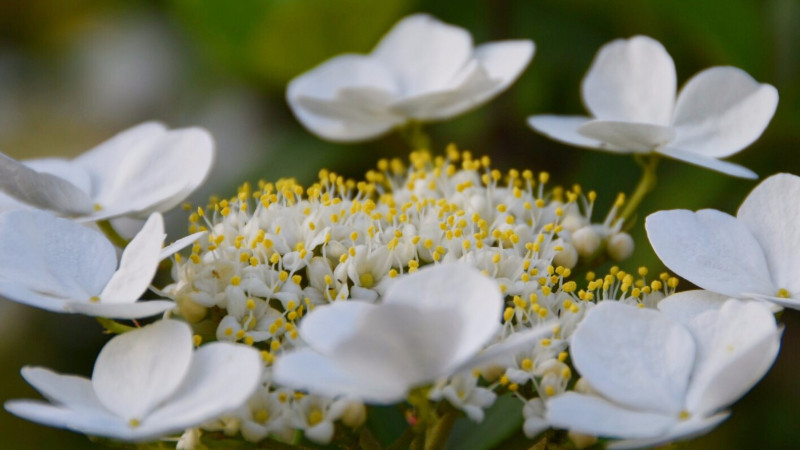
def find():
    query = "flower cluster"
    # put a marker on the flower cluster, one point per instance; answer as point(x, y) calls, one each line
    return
point(438, 285)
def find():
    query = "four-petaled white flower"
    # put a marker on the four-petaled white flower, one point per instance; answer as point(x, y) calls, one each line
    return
point(753, 255)
point(59, 265)
point(146, 384)
point(430, 325)
point(145, 169)
point(630, 92)
point(422, 70)
point(664, 376)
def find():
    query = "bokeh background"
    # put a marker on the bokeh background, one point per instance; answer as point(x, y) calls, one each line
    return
point(74, 73)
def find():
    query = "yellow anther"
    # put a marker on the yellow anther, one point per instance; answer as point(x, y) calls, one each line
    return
point(283, 275)
point(197, 340)
point(236, 280)
point(782, 293)
point(526, 364)
point(562, 356)
point(251, 304)
point(508, 314)
point(297, 279)
point(228, 331)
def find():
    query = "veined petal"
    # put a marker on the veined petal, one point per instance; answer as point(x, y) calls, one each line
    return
point(771, 213)
point(635, 357)
point(41, 189)
point(135, 310)
point(222, 377)
point(722, 110)
point(628, 136)
point(728, 168)
point(138, 264)
point(305, 369)
point(52, 256)
point(681, 431)
point(711, 249)
point(737, 344)
point(565, 129)
point(631, 80)
point(137, 371)
point(598, 417)
point(462, 294)
point(423, 53)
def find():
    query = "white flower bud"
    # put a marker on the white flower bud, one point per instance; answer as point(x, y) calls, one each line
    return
point(567, 257)
point(191, 311)
point(190, 439)
point(355, 414)
point(620, 246)
point(573, 222)
point(586, 241)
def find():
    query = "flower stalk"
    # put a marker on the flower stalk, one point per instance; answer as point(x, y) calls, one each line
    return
point(647, 183)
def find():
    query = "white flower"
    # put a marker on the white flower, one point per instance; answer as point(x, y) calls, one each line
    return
point(422, 70)
point(462, 391)
point(430, 325)
point(62, 266)
point(630, 91)
point(141, 170)
point(146, 384)
point(661, 377)
point(753, 255)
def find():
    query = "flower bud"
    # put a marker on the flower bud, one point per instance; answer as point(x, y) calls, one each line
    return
point(567, 257)
point(191, 311)
point(355, 414)
point(586, 241)
point(573, 222)
point(190, 439)
point(620, 246)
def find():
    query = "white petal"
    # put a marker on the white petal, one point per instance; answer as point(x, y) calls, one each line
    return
point(52, 256)
point(40, 189)
point(345, 99)
point(138, 370)
point(517, 342)
point(682, 430)
point(102, 161)
point(327, 326)
point(180, 244)
point(423, 53)
point(598, 417)
point(138, 264)
point(631, 80)
point(221, 378)
point(156, 173)
point(737, 344)
point(711, 249)
point(305, 369)
point(69, 390)
point(771, 213)
point(685, 306)
point(83, 421)
point(14, 291)
point(505, 60)
point(135, 310)
point(565, 129)
point(728, 168)
point(628, 136)
point(64, 169)
point(635, 357)
point(455, 291)
point(722, 110)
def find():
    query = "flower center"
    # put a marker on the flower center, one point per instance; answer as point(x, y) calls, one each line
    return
point(366, 280)
point(134, 423)
point(782, 293)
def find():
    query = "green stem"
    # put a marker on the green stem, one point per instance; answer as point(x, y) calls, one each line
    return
point(415, 136)
point(403, 441)
point(646, 184)
point(367, 441)
point(437, 434)
point(114, 327)
point(112, 235)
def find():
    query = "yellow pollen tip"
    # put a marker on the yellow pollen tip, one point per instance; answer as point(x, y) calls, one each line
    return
point(94, 299)
point(134, 423)
point(783, 293)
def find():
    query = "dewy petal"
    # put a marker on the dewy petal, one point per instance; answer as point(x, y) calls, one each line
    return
point(157, 173)
point(41, 189)
point(772, 214)
point(221, 378)
point(631, 80)
point(459, 292)
point(53, 256)
point(728, 168)
point(681, 431)
point(635, 357)
point(327, 326)
point(68, 390)
point(138, 264)
point(305, 369)
point(345, 99)
point(711, 249)
point(722, 110)
point(137, 371)
point(135, 310)
point(628, 136)
point(565, 129)
point(598, 417)
point(424, 53)
point(737, 344)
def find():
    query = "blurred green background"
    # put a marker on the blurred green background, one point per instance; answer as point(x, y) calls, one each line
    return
point(74, 73)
